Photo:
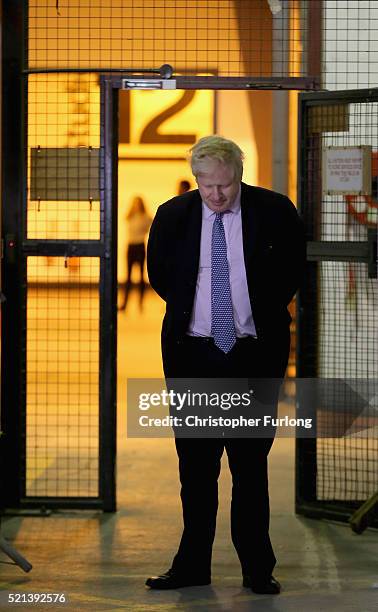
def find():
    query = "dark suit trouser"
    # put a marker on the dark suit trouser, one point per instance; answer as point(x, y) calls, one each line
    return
point(199, 463)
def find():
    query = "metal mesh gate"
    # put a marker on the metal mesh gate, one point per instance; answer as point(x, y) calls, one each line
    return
point(55, 214)
point(59, 216)
point(339, 305)
point(234, 38)
point(59, 392)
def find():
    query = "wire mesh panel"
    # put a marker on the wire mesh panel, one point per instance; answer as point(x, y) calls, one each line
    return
point(348, 321)
point(64, 206)
point(350, 44)
point(339, 315)
point(231, 38)
point(340, 217)
point(348, 349)
point(62, 378)
point(225, 37)
point(347, 469)
point(63, 157)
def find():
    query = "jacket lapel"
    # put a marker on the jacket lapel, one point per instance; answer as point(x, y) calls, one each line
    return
point(250, 225)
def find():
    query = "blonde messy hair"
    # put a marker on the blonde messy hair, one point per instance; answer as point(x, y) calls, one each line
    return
point(218, 148)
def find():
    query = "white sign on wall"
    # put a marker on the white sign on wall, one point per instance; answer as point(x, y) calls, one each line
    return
point(347, 170)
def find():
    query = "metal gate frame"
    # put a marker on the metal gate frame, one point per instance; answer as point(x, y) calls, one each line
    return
point(16, 250)
point(365, 252)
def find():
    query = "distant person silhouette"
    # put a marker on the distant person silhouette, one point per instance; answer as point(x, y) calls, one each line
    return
point(183, 187)
point(138, 222)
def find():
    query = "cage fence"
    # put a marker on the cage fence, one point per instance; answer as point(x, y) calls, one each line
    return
point(62, 382)
point(350, 44)
point(343, 340)
point(234, 38)
point(78, 40)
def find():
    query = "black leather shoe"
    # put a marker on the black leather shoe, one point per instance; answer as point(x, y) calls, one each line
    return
point(268, 586)
point(171, 580)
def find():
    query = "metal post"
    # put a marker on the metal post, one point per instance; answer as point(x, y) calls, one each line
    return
point(315, 38)
point(280, 112)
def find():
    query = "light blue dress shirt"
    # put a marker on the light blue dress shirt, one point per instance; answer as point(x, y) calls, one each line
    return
point(200, 322)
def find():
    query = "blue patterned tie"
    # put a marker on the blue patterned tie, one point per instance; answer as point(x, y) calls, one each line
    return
point(222, 317)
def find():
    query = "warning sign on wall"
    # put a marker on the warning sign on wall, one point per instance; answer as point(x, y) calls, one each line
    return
point(347, 170)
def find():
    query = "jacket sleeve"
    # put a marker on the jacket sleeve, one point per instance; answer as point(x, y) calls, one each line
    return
point(157, 262)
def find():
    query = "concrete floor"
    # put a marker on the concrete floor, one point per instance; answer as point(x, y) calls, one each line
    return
point(101, 561)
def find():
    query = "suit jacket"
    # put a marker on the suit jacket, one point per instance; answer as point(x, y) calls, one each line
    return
point(274, 254)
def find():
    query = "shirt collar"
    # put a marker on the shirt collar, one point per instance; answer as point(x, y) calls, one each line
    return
point(234, 208)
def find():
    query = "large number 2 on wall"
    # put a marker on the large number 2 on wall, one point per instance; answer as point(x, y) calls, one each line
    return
point(151, 134)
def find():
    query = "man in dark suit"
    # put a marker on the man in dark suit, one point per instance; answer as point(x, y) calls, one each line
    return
point(227, 259)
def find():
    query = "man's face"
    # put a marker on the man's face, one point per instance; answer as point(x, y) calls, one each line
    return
point(218, 186)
